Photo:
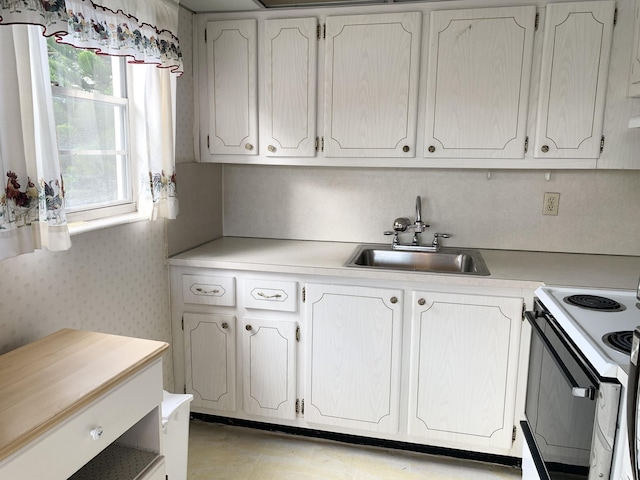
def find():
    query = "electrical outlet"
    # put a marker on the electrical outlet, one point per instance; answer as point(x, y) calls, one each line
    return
point(551, 203)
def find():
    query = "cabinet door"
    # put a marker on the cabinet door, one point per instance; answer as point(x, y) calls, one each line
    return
point(290, 65)
point(353, 343)
point(269, 367)
point(232, 77)
point(464, 363)
point(371, 85)
point(573, 79)
point(210, 353)
point(478, 82)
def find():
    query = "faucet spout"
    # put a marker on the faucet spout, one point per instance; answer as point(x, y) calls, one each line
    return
point(418, 210)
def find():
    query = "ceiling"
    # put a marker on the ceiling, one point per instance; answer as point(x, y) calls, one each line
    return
point(200, 6)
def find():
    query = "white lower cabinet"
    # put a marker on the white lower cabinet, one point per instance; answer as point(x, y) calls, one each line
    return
point(269, 367)
point(210, 360)
point(353, 351)
point(464, 356)
point(356, 356)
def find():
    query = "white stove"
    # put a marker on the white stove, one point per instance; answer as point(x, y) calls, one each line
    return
point(587, 327)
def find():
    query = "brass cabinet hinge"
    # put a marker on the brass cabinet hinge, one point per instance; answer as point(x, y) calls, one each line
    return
point(317, 143)
point(615, 17)
point(513, 435)
point(208, 146)
point(205, 36)
point(304, 294)
point(602, 144)
point(300, 406)
point(185, 389)
point(537, 22)
point(322, 144)
point(182, 322)
point(319, 31)
point(526, 144)
point(297, 333)
point(524, 310)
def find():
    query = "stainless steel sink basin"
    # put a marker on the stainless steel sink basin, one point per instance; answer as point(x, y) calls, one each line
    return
point(446, 260)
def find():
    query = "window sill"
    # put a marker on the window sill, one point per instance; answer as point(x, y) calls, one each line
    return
point(77, 228)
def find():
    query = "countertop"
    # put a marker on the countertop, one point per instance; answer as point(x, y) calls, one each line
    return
point(508, 268)
point(47, 381)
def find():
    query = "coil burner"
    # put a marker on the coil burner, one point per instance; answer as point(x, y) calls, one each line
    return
point(594, 302)
point(620, 341)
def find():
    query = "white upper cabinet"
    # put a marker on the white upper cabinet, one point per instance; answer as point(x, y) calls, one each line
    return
point(232, 87)
point(573, 83)
point(371, 85)
point(478, 82)
point(288, 120)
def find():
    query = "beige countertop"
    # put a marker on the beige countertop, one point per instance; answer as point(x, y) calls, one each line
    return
point(507, 268)
point(47, 381)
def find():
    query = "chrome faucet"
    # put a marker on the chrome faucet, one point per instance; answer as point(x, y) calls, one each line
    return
point(418, 225)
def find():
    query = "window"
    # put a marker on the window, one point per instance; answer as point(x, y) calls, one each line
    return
point(91, 115)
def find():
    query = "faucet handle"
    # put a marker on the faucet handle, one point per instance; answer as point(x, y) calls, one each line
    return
point(436, 236)
point(395, 237)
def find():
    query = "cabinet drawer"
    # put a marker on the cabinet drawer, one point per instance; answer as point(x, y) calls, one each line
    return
point(271, 295)
point(113, 413)
point(209, 290)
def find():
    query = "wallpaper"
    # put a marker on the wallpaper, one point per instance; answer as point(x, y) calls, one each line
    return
point(113, 281)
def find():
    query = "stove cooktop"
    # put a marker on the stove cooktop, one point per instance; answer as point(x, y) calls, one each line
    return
point(617, 312)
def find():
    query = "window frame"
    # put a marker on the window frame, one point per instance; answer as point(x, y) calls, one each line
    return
point(121, 86)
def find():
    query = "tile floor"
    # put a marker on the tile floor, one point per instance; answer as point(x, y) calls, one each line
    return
point(223, 452)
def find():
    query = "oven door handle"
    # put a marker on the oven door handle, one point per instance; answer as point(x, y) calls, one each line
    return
point(576, 389)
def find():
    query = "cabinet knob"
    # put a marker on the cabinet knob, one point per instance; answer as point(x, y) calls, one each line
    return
point(271, 148)
point(421, 301)
point(225, 325)
point(393, 299)
point(406, 148)
point(431, 149)
point(248, 328)
point(96, 433)
point(545, 148)
point(248, 146)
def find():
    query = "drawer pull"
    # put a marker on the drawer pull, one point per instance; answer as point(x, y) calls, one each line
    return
point(248, 328)
point(264, 295)
point(207, 292)
point(96, 433)
point(225, 325)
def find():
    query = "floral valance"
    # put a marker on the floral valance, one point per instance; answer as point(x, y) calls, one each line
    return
point(144, 30)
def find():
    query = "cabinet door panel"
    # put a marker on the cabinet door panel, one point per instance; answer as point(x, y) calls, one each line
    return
point(232, 62)
point(269, 367)
point(353, 357)
point(478, 82)
point(464, 368)
point(371, 85)
point(290, 65)
point(575, 67)
point(210, 354)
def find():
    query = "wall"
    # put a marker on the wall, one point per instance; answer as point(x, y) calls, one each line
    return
point(113, 281)
point(598, 210)
point(199, 184)
point(116, 280)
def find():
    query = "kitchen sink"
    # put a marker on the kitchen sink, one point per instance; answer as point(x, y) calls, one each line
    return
point(445, 260)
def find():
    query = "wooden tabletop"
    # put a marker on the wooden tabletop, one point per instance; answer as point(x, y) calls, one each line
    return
point(46, 381)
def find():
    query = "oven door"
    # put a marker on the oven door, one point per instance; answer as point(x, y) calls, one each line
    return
point(560, 406)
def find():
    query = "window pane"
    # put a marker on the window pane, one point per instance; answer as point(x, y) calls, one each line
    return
point(88, 125)
point(94, 180)
point(80, 69)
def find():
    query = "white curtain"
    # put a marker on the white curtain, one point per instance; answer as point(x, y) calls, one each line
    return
point(152, 115)
point(32, 204)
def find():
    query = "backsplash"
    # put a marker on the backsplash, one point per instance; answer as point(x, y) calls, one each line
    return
point(598, 210)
